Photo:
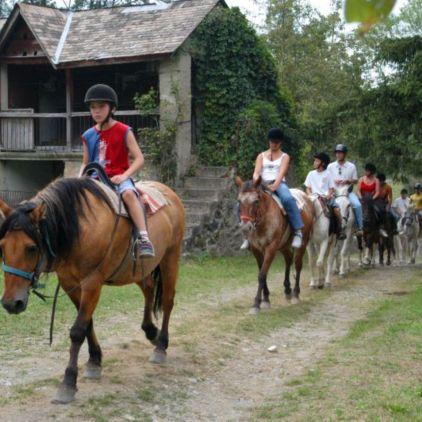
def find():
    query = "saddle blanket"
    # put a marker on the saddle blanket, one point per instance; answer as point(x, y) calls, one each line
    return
point(151, 197)
point(297, 195)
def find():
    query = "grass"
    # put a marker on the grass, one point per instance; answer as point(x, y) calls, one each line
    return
point(374, 373)
point(22, 334)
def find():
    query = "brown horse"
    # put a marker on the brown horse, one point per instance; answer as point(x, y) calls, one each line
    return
point(269, 232)
point(70, 228)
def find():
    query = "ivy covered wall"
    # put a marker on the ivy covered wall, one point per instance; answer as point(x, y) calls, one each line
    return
point(236, 94)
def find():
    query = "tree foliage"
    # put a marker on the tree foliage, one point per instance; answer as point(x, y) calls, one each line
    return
point(233, 68)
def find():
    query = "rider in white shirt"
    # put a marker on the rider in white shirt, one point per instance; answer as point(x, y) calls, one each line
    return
point(344, 173)
point(400, 205)
point(320, 182)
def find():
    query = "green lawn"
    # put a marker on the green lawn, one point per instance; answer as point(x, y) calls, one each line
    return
point(374, 373)
point(198, 279)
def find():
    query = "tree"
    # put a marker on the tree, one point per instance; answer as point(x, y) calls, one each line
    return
point(315, 60)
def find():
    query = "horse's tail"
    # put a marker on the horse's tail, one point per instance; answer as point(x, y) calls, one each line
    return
point(158, 290)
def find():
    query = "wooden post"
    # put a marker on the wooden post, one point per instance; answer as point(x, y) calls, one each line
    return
point(4, 90)
point(69, 106)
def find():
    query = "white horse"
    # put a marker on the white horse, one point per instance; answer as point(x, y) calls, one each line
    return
point(342, 249)
point(409, 232)
point(319, 247)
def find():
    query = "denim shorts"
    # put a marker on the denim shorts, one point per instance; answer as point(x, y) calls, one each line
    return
point(127, 185)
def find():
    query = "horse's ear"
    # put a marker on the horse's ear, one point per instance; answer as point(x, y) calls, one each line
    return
point(37, 213)
point(5, 209)
point(257, 182)
point(238, 181)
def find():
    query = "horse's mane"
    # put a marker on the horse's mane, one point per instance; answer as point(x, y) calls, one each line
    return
point(249, 186)
point(64, 201)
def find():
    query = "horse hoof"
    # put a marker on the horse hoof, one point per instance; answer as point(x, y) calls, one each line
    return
point(295, 300)
point(65, 394)
point(158, 357)
point(327, 285)
point(254, 311)
point(342, 275)
point(265, 305)
point(321, 286)
point(92, 372)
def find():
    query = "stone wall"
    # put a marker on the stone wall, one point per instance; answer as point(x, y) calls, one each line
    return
point(219, 234)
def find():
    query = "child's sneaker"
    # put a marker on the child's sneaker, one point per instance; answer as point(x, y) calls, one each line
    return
point(145, 248)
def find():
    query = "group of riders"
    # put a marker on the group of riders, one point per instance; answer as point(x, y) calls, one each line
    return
point(326, 178)
point(111, 143)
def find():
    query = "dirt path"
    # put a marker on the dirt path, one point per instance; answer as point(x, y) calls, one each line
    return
point(208, 376)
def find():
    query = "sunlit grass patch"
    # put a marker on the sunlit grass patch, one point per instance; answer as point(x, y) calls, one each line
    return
point(373, 373)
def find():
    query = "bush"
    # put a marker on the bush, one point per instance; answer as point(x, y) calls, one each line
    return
point(233, 68)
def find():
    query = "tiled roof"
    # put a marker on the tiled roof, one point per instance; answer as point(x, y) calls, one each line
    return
point(47, 25)
point(114, 33)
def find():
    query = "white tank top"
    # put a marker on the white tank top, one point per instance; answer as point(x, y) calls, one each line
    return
point(271, 169)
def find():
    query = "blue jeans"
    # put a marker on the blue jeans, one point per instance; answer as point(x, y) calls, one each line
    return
point(357, 209)
point(289, 204)
point(127, 185)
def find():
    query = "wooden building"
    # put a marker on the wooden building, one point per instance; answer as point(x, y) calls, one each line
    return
point(49, 58)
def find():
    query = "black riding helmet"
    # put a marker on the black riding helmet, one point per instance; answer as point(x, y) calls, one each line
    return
point(275, 135)
point(325, 159)
point(341, 148)
point(101, 92)
point(418, 186)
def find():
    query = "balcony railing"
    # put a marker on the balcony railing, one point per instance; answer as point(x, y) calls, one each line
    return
point(23, 130)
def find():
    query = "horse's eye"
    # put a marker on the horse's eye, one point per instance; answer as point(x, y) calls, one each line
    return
point(31, 249)
point(256, 202)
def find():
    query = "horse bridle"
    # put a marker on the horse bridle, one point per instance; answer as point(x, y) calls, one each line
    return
point(34, 276)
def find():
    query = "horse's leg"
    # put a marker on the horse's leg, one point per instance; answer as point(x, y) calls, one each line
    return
point(151, 331)
point(343, 256)
point(389, 249)
point(288, 259)
point(312, 263)
point(265, 304)
point(298, 267)
point(330, 263)
point(269, 255)
point(414, 249)
point(360, 247)
point(89, 299)
point(93, 366)
point(320, 261)
point(169, 267)
point(381, 251)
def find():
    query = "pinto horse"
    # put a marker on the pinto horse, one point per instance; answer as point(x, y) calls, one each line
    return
point(269, 232)
point(71, 228)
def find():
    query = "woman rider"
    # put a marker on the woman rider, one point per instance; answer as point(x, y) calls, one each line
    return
point(272, 166)
point(384, 203)
point(369, 185)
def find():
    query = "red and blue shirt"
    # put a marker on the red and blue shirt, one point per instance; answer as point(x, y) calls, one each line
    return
point(109, 148)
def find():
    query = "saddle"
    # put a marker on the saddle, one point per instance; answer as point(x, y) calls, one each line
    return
point(151, 198)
